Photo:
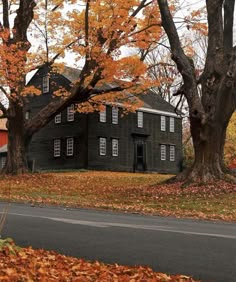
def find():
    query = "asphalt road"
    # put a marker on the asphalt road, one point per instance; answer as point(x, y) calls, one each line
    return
point(202, 249)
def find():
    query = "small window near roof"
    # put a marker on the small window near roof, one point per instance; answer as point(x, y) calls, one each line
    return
point(163, 152)
point(140, 119)
point(115, 115)
point(115, 147)
point(103, 116)
point(71, 112)
point(70, 146)
point(163, 123)
point(172, 124)
point(57, 147)
point(172, 153)
point(45, 86)
point(102, 146)
point(58, 118)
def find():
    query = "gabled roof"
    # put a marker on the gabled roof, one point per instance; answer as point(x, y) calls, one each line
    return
point(3, 124)
point(151, 99)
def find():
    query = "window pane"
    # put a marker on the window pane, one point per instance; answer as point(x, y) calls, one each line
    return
point(172, 153)
point(70, 146)
point(70, 112)
point(114, 115)
point(58, 118)
point(102, 116)
point(163, 123)
point(140, 119)
point(163, 152)
point(115, 146)
point(3, 162)
point(102, 146)
point(57, 148)
point(45, 86)
point(172, 124)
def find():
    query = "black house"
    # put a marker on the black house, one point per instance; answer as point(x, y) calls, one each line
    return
point(148, 140)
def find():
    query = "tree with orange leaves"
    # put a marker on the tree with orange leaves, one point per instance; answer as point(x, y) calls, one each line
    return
point(95, 32)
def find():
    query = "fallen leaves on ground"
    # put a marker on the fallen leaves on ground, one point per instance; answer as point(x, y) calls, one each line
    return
point(130, 192)
point(29, 265)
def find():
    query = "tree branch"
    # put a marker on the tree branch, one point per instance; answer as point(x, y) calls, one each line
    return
point(229, 6)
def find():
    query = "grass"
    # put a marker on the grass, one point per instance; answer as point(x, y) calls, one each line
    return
point(130, 192)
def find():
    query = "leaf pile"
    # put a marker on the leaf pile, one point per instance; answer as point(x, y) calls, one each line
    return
point(129, 192)
point(29, 265)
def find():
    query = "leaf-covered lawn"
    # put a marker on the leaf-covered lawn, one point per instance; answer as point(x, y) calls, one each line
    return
point(31, 265)
point(132, 192)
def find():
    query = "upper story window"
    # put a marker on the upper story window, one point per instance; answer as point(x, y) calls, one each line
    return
point(45, 86)
point(115, 115)
point(57, 147)
point(140, 119)
point(102, 146)
point(103, 116)
point(115, 147)
point(70, 146)
point(172, 153)
point(163, 123)
point(27, 115)
point(163, 152)
point(57, 118)
point(172, 124)
point(71, 112)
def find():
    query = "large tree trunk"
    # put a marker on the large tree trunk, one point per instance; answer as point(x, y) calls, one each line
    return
point(17, 142)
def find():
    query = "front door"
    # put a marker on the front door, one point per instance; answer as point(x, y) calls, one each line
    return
point(139, 155)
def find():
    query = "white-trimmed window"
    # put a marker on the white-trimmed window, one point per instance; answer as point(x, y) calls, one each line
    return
point(27, 115)
point(115, 115)
point(70, 146)
point(57, 118)
point(172, 124)
point(103, 115)
point(163, 152)
point(140, 119)
point(71, 112)
point(163, 123)
point(102, 146)
point(172, 153)
point(3, 161)
point(57, 147)
point(115, 147)
point(45, 85)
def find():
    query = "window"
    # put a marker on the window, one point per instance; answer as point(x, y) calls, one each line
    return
point(57, 118)
point(172, 124)
point(27, 115)
point(115, 145)
point(102, 146)
point(172, 153)
point(114, 115)
point(163, 152)
point(57, 147)
point(140, 119)
point(45, 87)
point(70, 146)
point(71, 112)
point(3, 161)
point(103, 116)
point(163, 123)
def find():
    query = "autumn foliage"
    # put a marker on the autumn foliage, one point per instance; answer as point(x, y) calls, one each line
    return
point(127, 192)
point(27, 264)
